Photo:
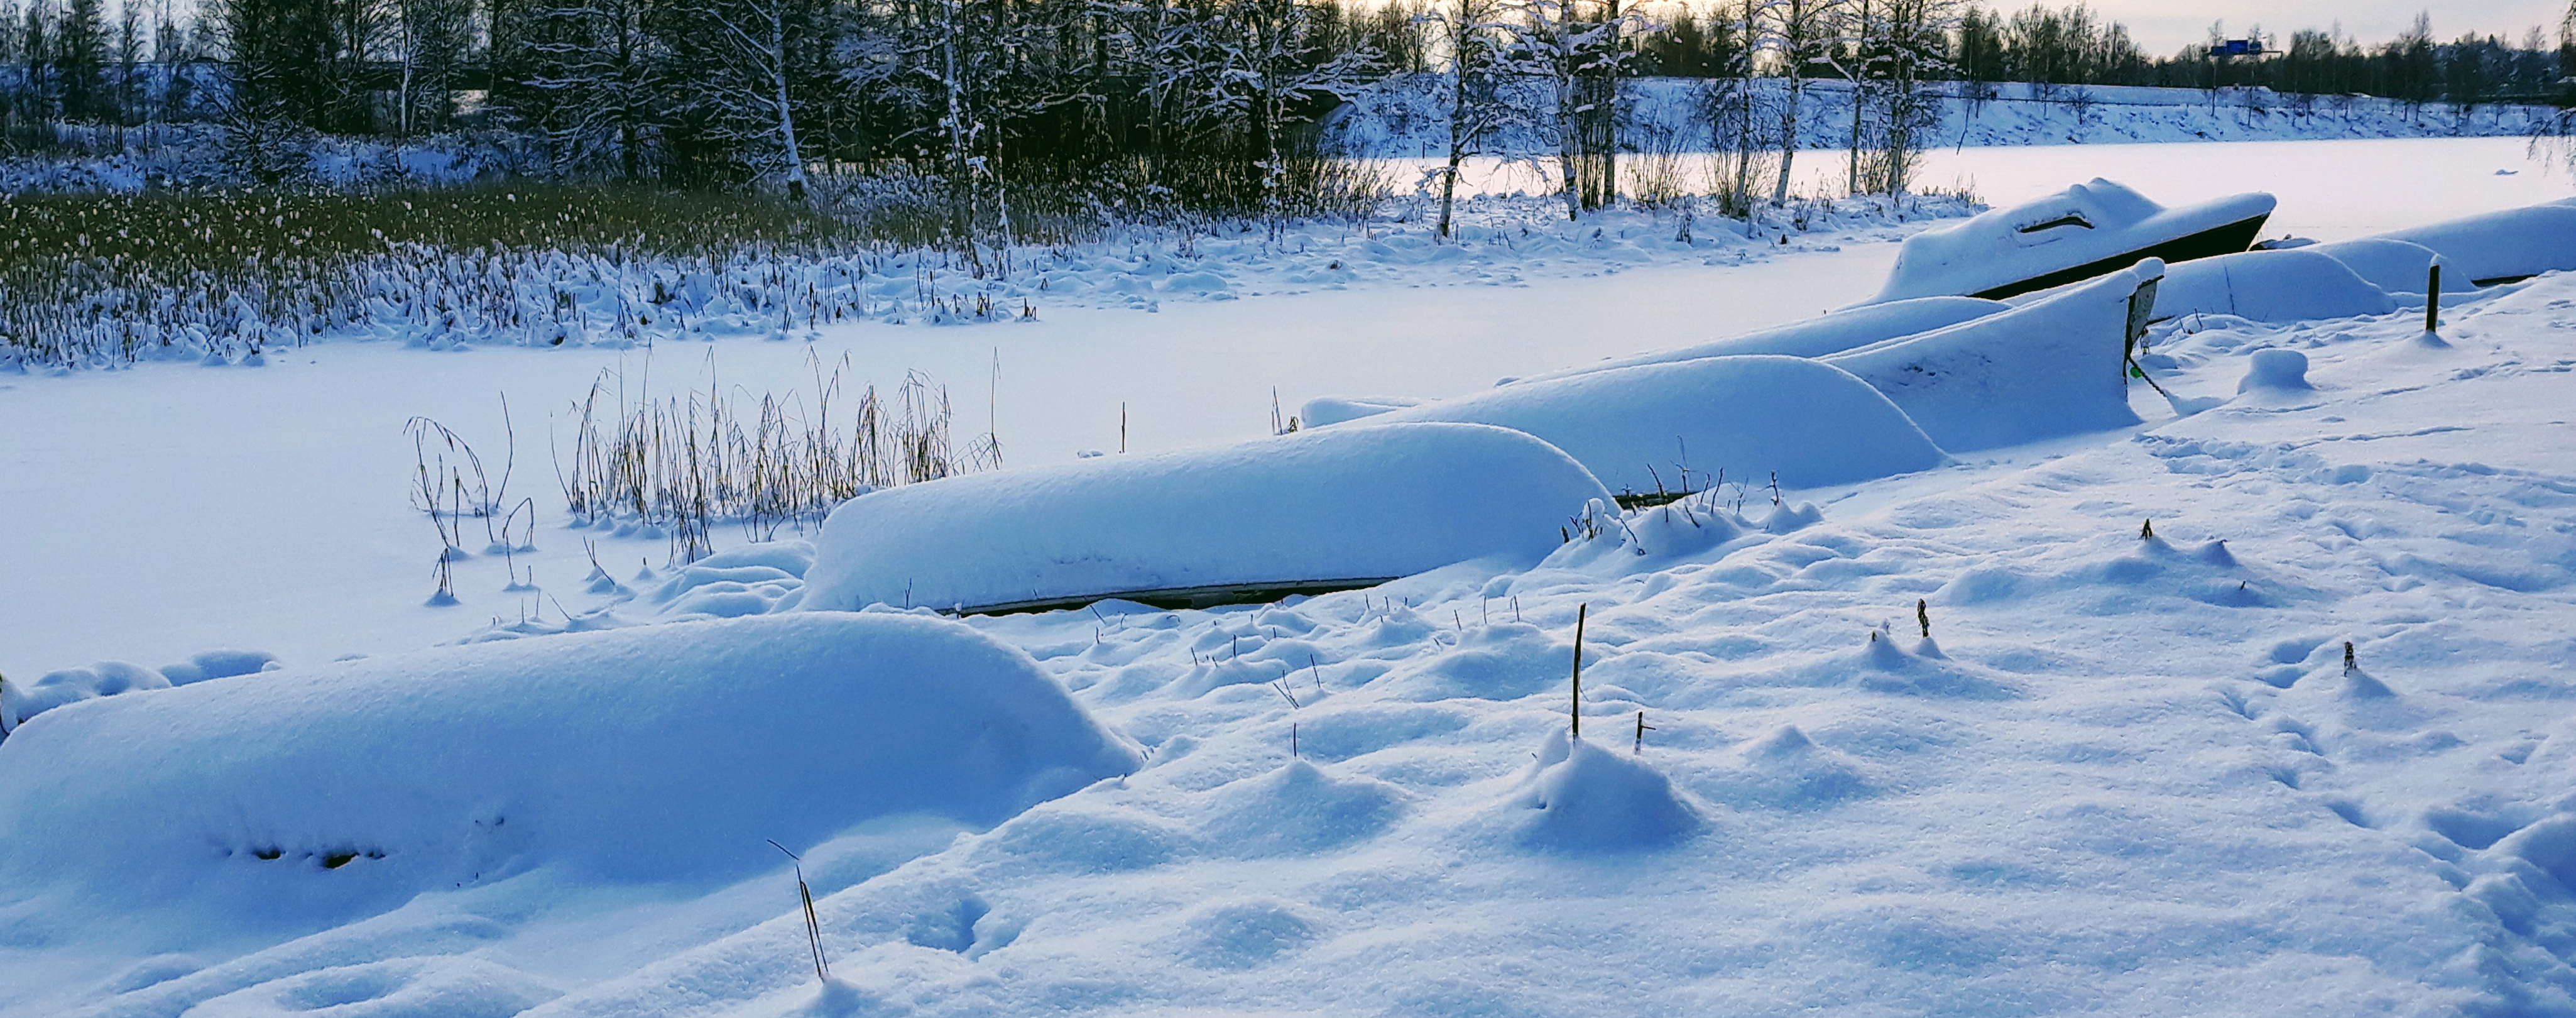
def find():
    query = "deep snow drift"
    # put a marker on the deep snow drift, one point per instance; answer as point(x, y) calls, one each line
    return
point(320, 795)
point(2047, 369)
point(2278, 286)
point(2126, 774)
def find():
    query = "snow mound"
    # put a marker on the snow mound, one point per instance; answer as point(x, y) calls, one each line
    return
point(1500, 661)
point(1323, 410)
point(395, 988)
point(655, 754)
point(1672, 427)
point(1589, 798)
point(18, 703)
point(1247, 933)
point(2501, 246)
point(2393, 265)
point(2058, 238)
point(751, 580)
point(1848, 329)
point(1611, 542)
point(1300, 809)
point(1335, 504)
point(1787, 770)
point(2269, 286)
point(2276, 369)
point(2043, 370)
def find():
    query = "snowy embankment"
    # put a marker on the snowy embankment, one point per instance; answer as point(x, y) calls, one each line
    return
point(1401, 117)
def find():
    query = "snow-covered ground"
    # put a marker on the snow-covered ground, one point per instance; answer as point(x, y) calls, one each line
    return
point(2125, 775)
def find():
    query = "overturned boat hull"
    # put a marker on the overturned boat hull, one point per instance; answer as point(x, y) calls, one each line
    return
point(1321, 510)
point(1176, 598)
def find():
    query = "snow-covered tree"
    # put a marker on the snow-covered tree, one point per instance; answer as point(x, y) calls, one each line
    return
point(1908, 54)
point(596, 82)
point(429, 37)
point(1798, 38)
point(1574, 56)
point(80, 61)
point(739, 65)
point(1473, 37)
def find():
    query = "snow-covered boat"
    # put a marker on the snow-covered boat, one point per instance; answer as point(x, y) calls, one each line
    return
point(1321, 510)
point(2087, 230)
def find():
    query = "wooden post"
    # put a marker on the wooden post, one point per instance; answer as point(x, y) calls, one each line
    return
point(2433, 297)
point(1574, 711)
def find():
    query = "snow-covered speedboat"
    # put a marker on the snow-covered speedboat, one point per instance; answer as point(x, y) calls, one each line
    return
point(2087, 230)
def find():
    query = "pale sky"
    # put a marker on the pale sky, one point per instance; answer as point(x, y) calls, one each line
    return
point(2163, 26)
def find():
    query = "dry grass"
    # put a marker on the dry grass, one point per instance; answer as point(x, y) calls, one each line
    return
point(686, 463)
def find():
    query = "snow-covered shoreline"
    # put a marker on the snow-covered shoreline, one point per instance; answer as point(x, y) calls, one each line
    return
point(1400, 117)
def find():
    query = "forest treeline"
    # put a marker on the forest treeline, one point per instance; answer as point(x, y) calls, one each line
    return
point(1202, 101)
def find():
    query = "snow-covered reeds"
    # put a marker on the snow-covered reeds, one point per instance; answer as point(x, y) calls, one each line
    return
point(109, 280)
point(90, 280)
point(685, 463)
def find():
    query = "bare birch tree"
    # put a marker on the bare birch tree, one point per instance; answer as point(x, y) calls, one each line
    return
point(743, 61)
point(1797, 40)
point(601, 74)
point(1472, 37)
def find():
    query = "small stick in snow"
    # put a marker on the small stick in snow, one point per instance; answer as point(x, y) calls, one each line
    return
point(1292, 740)
point(813, 926)
point(1574, 707)
point(1318, 670)
point(2433, 297)
point(1642, 729)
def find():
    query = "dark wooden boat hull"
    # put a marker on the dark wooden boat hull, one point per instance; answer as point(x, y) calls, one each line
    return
point(2218, 240)
point(1185, 597)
